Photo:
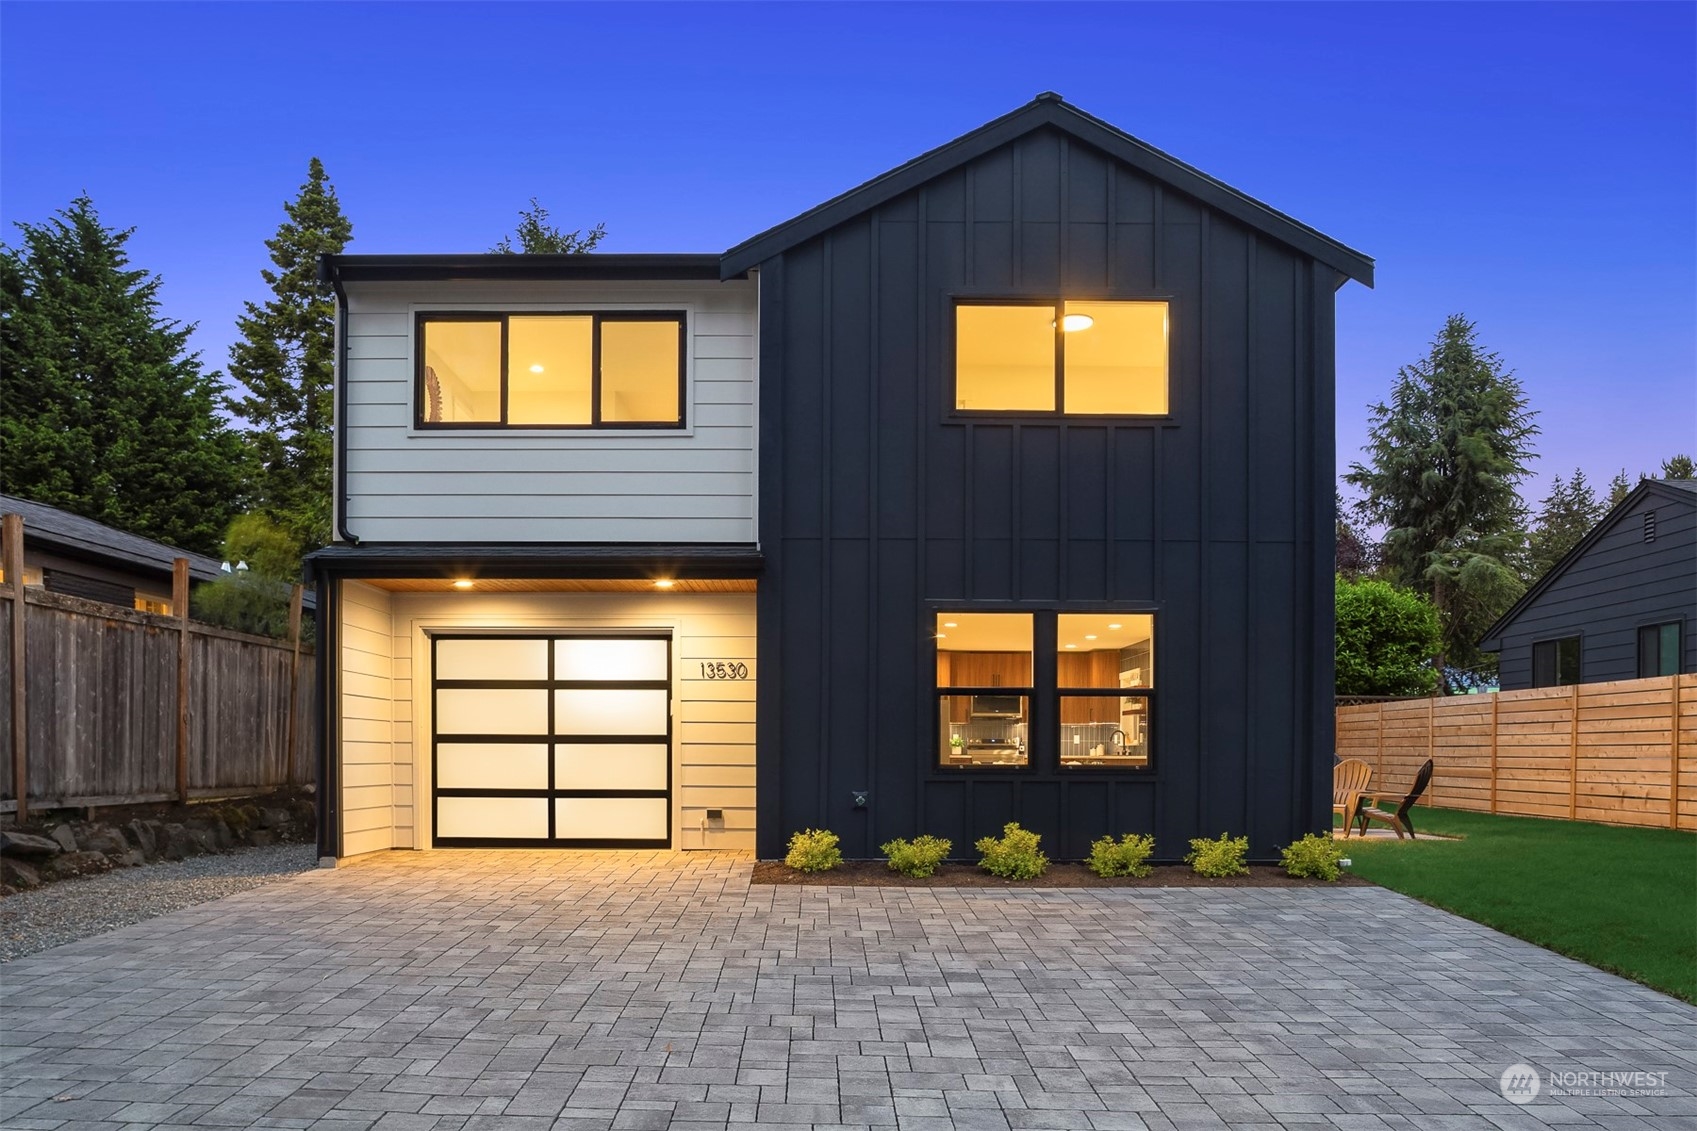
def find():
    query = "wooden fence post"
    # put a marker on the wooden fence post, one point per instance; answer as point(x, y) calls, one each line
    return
point(1496, 700)
point(1379, 756)
point(294, 680)
point(1431, 744)
point(180, 606)
point(1573, 759)
point(1673, 755)
point(12, 550)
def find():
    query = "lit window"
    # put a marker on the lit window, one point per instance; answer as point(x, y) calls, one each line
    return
point(586, 370)
point(1111, 357)
point(1105, 675)
point(984, 689)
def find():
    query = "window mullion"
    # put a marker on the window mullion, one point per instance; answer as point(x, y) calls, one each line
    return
point(503, 364)
point(595, 371)
point(1060, 358)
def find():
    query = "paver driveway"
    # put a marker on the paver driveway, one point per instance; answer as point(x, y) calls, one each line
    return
point(636, 990)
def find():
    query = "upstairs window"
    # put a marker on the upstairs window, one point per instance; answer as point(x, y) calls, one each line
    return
point(1658, 649)
point(1555, 663)
point(1078, 358)
point(590, 370)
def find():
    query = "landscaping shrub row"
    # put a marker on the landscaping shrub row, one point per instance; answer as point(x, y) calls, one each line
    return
point(1017, 855)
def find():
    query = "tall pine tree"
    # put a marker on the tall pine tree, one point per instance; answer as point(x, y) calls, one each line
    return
point(104, 411)
point(286, 363)
point(1619, 488)
point(1445, 457)
point(1568, 512)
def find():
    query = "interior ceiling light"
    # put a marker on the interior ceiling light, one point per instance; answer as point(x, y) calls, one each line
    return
point(536, 369)
point(664, 583)
point(1089, 636)
point(1072, 645)
point(463, 583)
point(1114, 626)
point(1071, 323)
point(950, 624)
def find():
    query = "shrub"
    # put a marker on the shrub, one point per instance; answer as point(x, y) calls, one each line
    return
point(918, 857)
point(1222, 857)
point(814, 850)
point(1014, 856)
point(1124, 857)
point(1386, 638)
point(1315, 856)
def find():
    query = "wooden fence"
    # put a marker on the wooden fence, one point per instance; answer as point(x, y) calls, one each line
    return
point(122, 706)
point(1624, 753)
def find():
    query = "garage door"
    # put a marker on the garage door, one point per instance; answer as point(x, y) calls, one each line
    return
point(552, 741)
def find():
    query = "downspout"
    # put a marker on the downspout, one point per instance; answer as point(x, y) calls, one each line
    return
point(327, 273)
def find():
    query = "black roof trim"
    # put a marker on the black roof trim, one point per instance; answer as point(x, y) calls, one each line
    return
point(1049, 109)
point(590, 560)
point(432, 268)
point(1679, 490)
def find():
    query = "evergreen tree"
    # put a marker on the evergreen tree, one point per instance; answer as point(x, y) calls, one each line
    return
point(1355, 556)
point(1569, 511)
point(1679, 467)
point(1619, 487)
point(105, 411)
point(536, 236)
point(286, 363)
point(1445, 457)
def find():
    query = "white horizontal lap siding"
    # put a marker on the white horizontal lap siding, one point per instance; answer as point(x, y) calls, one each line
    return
point(407, 484)
point(365, 637)
point(713, 719)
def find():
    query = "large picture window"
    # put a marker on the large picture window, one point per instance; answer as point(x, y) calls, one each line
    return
point(1096, 358)
point(1096, 709)
point(557, 370)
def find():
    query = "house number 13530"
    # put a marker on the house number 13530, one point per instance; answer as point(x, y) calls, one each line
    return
point(723, 669)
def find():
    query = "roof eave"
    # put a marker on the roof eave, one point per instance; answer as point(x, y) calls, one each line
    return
point(525, 267)
point(1049, 110)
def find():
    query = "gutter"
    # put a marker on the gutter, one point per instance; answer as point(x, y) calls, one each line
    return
point(327, 273)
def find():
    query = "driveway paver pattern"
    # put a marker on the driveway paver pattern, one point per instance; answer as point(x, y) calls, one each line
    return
point(518, 990)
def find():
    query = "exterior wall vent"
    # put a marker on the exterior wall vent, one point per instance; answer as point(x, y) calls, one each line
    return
point(1649, 526)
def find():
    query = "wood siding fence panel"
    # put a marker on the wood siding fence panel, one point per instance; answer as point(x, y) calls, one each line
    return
point(101, 695)
point(1622, 753)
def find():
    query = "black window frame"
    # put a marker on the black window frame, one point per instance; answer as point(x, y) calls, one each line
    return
point(1678, 626)
point(1555, 665)
point(598, 318)
point(1058, 304)
point(1044, 697)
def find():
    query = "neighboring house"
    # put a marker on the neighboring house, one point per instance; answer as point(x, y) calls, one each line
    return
point(67, 553)
point(998, 488)
point(1620, 605)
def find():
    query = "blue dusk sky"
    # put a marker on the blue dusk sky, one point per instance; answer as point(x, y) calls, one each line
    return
point(1531, 166)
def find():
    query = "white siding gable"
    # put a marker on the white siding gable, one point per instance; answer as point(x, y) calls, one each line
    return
point(696, 484)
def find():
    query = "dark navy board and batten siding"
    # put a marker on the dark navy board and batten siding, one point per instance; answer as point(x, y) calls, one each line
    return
point(879, 506)
point(1617, 584)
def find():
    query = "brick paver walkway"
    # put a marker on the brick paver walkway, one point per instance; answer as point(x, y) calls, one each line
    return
point(644, 990)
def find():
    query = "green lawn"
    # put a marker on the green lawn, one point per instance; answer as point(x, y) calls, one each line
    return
point(1623, 899)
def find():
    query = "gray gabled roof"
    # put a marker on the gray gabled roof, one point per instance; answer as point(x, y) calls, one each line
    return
point(84, 538)
point(1050, 110)
point(1682, 491)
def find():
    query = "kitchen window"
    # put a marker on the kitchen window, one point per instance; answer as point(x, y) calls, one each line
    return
point(1555, 663)
point(556, 370)
point(1105, 673)
point(984, 689)
point(1083, 358)
point(1658, 649)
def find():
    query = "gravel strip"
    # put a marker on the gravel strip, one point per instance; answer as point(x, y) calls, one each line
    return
point(68, 910)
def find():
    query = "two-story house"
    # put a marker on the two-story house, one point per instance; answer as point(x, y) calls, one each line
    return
point(997, 488)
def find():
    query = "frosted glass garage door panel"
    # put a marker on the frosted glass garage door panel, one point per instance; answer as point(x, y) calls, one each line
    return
point(491, 711)
point(600, 710)
point(491, 765)
point(491, 659)
point(609, 659)
point(491, 818)
point(610, 766)
point(611, 818)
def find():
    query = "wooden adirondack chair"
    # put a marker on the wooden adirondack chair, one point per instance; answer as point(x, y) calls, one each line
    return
point(1349, 782)
point(1400, 819)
